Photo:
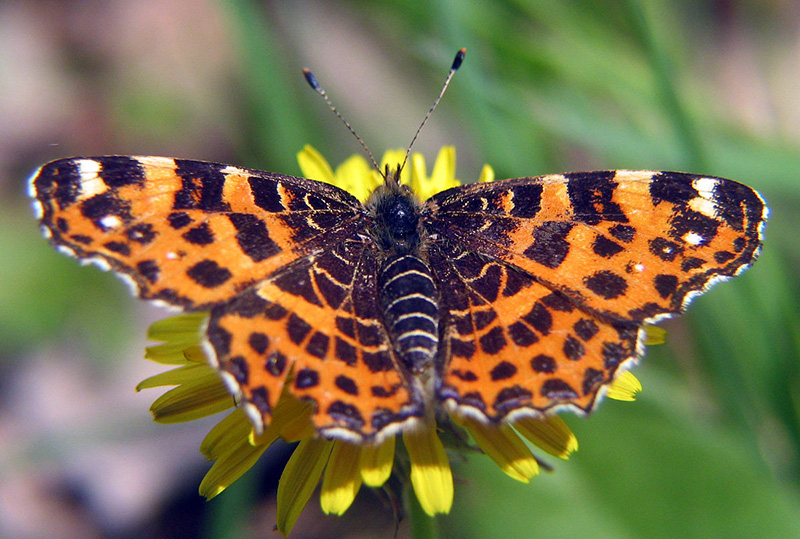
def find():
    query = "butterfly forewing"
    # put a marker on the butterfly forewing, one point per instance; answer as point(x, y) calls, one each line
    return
point(189, 233)
point(629, 245)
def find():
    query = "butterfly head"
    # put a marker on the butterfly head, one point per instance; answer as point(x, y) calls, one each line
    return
point(395, 210)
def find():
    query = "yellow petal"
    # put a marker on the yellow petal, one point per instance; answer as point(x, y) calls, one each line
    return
point(430, 470)
point(443, 175)
point(504, 447)
point(299, 479)
point(177, 333)
point(419, 180)
point(227, 434)
point(487, 174)
point(376, 462)
point(292, 419)
point(206, 395)
point(342, 478)
point(195, 354)
point(314, 166)
point(183, 327)
point(550, 434)
point(356, 177)
point(167, 354)
point(654, 335)
point(394, 158)
point(174, 377)
point(230, 466)
point(624, 387)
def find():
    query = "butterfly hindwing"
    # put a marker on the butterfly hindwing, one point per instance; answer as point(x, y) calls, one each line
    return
point(516, 344)
point(315, 324)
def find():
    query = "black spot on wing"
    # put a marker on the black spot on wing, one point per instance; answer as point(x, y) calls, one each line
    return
point(346, 384)
point(592, 379)
point(557, 389)
point(606, 248)
point(550, 246)
point(105, 205)
point(665, 284)
point(203, 185)
point(276, 363)
point(149, 269)
point(544, 364)
point(143, 233)
point(306, 378)
point(347, 414)
point(527, 199)
point(179, 219)
point(591, 196)
point(672, 187)
point(118, 247)
point(199, 235)
point(511, 398)
point(259, 342)
point(253, 236)
point(265, 194)
point(606, 284)
point(118, 171)
point(297, 328)
point(623, 233)
point(209, 274)
point(503, 371)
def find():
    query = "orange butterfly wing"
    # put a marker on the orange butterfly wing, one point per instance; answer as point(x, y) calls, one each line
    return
point(548, 281)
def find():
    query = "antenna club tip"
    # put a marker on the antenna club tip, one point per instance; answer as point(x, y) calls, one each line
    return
point(459, 58)
point(311, 79)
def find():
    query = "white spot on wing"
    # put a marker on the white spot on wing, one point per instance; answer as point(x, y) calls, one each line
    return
point(639, 267)
point(38, 209)
point(88, 169)
point(153, 161)
point(705, 186)
point(110, 221)
point(693, 238)
point(92, 186)
point(100, 263)
point(66, 250)
point(704, 206)
point(234, 170)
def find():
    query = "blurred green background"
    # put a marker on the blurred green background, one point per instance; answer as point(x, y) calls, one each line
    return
point(712, 446)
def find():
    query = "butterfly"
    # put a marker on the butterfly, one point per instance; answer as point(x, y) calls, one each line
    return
point(496, 300)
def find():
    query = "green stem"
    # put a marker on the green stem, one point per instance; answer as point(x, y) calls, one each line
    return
point(420, 525)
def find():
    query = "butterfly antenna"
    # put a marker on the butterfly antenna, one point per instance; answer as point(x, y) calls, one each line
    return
point(312, 81)
point(456, 64)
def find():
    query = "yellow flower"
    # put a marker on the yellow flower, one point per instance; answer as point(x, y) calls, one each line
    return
point(342, 466)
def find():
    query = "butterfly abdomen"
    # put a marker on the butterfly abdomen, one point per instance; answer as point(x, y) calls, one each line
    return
point(410, 302)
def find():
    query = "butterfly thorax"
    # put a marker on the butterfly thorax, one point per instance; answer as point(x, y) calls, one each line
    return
point(408, 296)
